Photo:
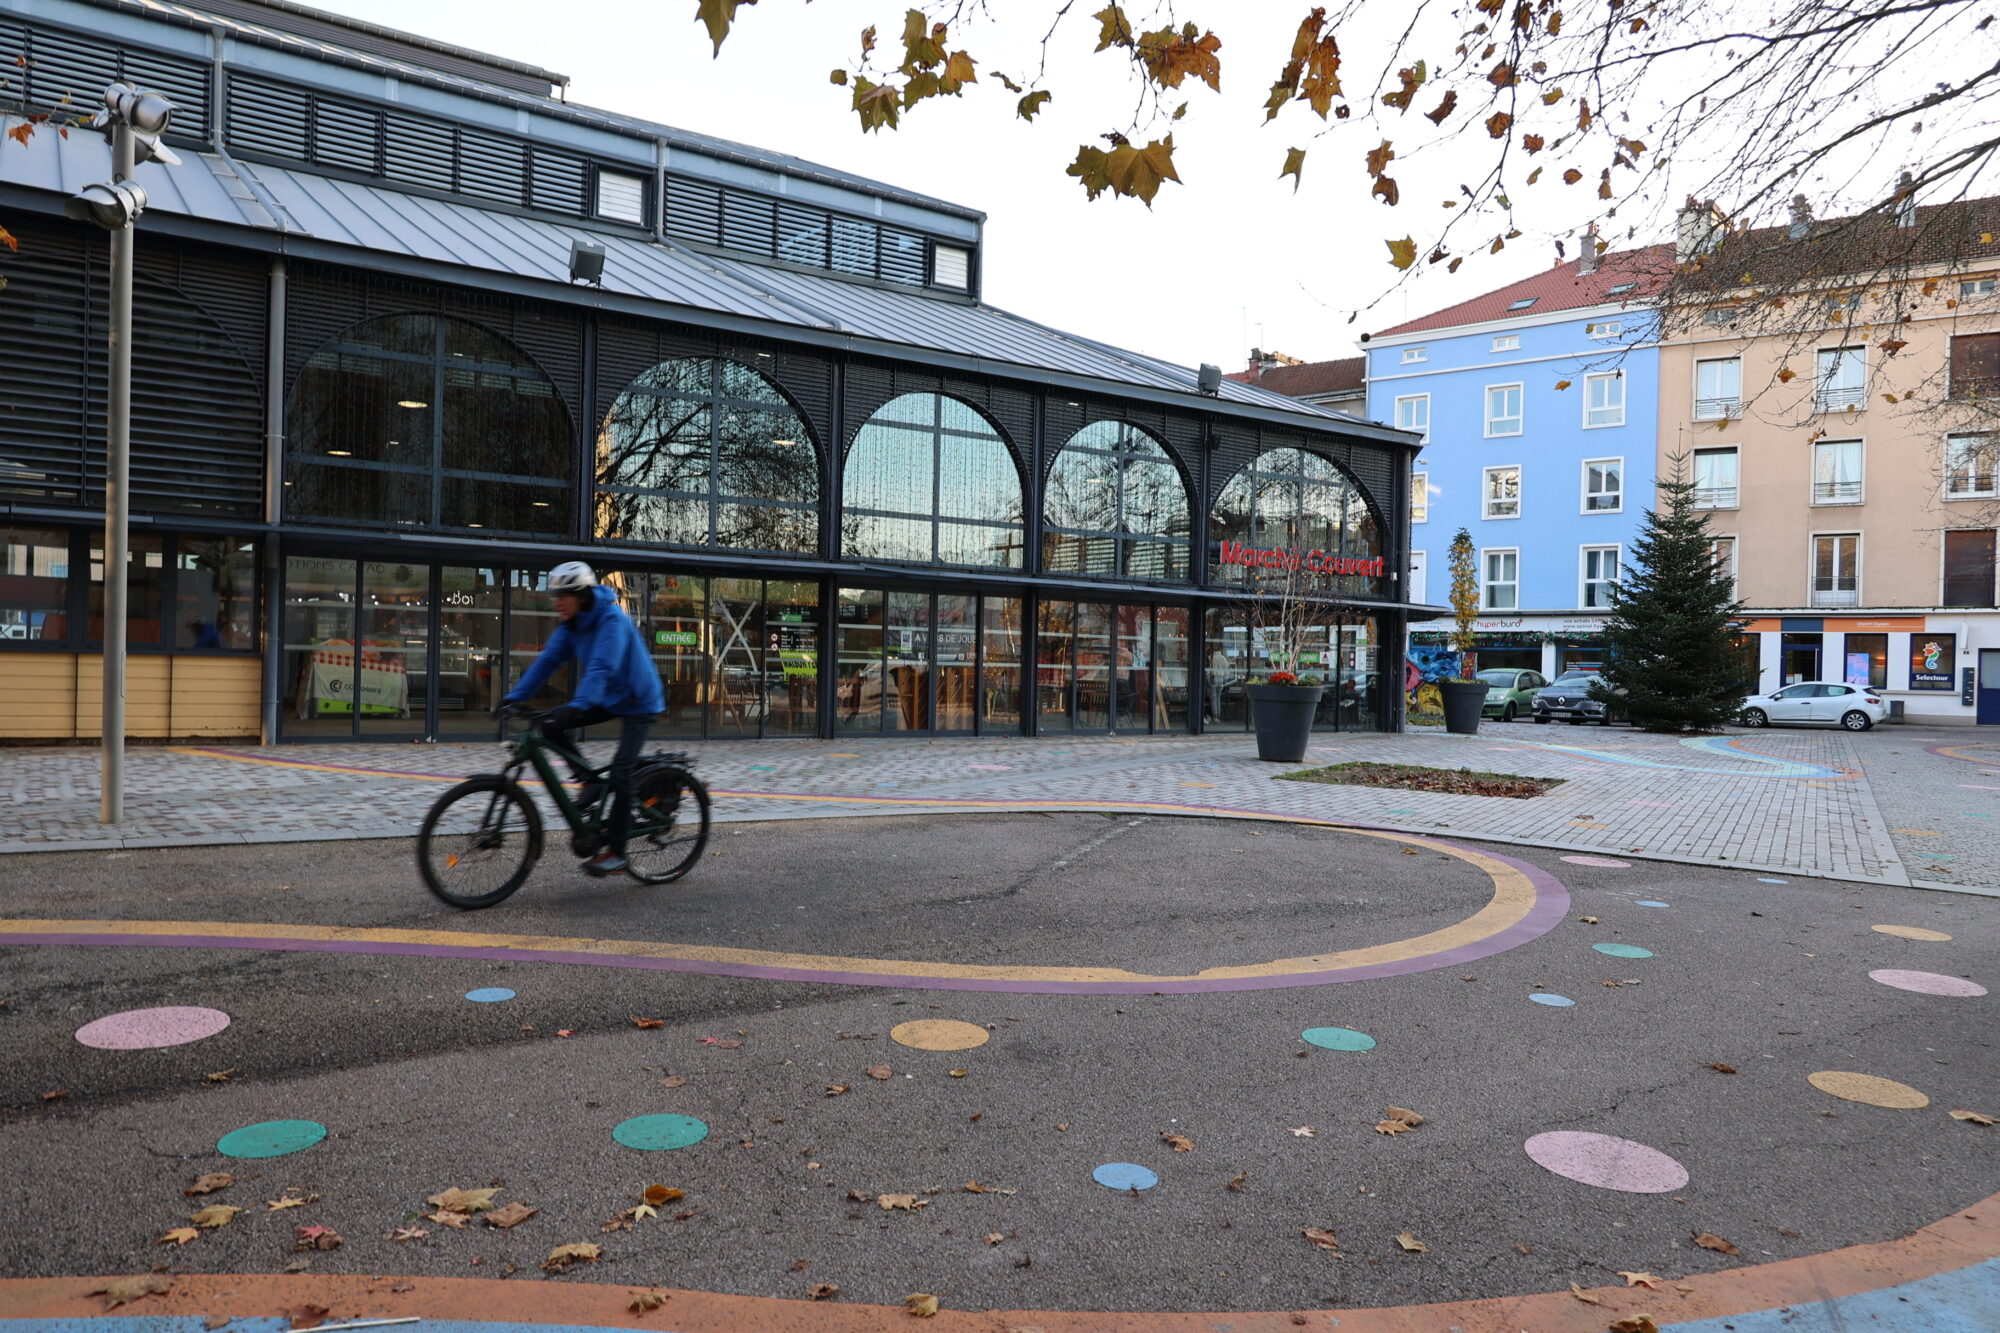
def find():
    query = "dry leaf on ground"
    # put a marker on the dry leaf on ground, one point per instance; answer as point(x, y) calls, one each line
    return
point(510, 1216)
point(215, 1215)
point(456, 1200)
point(1392, 1127)
point(209, 1184)
point(1638, 1323)
point(456, 1221)
point(220, 1076)
point(409, 1233)
point(880, 1072)
point(1412, 1244)
point(1178, 1142)
point(1408, 1117)
point(673, 1081)
point(1588, 920)
point(289, 1201)
point(720, 1043)
point(644, 1210)
point(838, 1089)
point(55, 1096)
point(1974, 1116)
point(1235, 1185)
point(960, 1073)
point(1584, 1296)
point(638, 1022)
point(992, 1238)
point(124, 1290)
point(1721, 1068)
point(659, 1194)
point(974, 1187)
point(860, 1196)
point(823, 1291)
point(306, 1314)
point(1321, 1237)
point(1646, 1280)
point(1304, 1132)
point(909, 1203)
point(643, 1301)
point(1710, 1241)
point(317, 1238)
point(921, 1304)
point(580, 1252)
point(179, 1236)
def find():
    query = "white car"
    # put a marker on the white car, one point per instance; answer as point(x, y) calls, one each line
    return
point(1826, 703)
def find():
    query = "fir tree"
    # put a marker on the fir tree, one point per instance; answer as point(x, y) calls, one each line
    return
point(1671, 657)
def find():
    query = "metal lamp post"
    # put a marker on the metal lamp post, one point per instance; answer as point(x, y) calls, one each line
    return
point(134, 122)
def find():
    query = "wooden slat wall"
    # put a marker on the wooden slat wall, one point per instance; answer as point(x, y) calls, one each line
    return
point(60, 696)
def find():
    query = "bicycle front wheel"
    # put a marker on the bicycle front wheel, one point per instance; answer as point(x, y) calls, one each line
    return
point(479, 842)
point(669, 824)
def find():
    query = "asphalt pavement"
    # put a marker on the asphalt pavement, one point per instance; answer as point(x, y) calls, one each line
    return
point(421, 1090)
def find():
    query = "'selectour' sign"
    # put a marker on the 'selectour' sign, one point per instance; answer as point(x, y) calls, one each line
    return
point(1313, 562)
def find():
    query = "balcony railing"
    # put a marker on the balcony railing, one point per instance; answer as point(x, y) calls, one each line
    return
point(1836, 592)
point(1836, 492)
point(1715, 497)
point(1716, 409)
point(1828, 399)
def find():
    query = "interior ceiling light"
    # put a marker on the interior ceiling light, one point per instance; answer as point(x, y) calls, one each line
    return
point(339, 453)
point(411, 402)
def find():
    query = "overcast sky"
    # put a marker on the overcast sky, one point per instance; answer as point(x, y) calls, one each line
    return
point(1229, 260)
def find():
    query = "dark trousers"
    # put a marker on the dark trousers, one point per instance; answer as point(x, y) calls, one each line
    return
point(632, 729)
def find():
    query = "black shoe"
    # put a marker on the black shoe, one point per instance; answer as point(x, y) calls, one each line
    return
point(605, 863)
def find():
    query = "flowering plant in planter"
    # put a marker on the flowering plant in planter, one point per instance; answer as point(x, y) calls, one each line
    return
point(1281, 678)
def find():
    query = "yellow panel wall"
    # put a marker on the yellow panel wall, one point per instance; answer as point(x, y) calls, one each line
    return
point(60, 696)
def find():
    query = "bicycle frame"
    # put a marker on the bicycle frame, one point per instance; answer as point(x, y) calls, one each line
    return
point(533, 750)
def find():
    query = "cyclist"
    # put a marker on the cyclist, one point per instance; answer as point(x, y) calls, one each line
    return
point(615, 678)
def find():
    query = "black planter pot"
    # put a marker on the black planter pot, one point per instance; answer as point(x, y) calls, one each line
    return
point(1463, 702)
point(1283, 715)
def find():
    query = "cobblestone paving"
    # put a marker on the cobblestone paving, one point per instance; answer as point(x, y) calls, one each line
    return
point(1895, 805)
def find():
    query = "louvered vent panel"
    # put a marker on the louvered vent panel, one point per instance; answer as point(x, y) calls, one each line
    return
point(69, 70)
point(561, 177)
point(491, 167)
point(902, 257)
point(417, 150)
point(749, 223)
point(346, 136)
point(802, 235)
point(853, 246)
point(267, 117)
point(694, 211)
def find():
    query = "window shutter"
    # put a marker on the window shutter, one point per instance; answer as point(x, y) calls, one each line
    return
point(1968, 568)
point(1975, 364)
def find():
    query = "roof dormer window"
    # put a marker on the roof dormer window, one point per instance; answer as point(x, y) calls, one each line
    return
point(1524, 303)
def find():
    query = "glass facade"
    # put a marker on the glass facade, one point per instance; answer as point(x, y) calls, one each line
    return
point(1117, 668)
point(1344, 651)
point(707, 452)
point(416, 421)
point(1292, 506)
point(1115, 506)
point(930, 481)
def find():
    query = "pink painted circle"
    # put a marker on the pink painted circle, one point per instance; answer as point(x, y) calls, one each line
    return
point(1597, 861)
point(148, 1029)
point(1606, 1162)
point(1926, 983)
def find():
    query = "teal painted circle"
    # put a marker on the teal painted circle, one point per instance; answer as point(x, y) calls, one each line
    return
point(1766, 879)
point(1339, 1039)
point(272, 1138)
point(1124, 1176)
point(1623, 950)
point(1553, 1001)
point(489, 995)
point(657, 1133)
point(1649, 902)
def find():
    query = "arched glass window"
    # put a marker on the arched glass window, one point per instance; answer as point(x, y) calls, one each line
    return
point(1291, 505)
point(930, 482)
point(1115, 507)
point(425, 422)
point(705, 452)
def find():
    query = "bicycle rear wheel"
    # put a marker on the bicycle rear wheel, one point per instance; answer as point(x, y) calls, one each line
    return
point(480, 865)
point(669, 824)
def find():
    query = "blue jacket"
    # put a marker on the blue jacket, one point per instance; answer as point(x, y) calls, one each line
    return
point(615, 671)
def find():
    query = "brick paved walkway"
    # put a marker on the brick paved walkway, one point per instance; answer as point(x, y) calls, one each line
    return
point(1897, 805)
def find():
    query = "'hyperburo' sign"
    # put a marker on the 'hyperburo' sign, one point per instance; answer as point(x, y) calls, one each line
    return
point(1313, 562)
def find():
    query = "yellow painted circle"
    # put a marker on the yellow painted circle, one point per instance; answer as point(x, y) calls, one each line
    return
point(939, 1034)
point(1911, 933)
point(1868, 1090)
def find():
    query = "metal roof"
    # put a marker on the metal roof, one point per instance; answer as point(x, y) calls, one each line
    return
point(290, 211)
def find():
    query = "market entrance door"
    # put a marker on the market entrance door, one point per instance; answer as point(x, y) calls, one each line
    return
point(936, 664)
point(1102, 668)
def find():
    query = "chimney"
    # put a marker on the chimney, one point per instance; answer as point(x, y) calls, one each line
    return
point(1586, 251)
point(1906, 200)
point(1700, 228)
point(1255, 370)
point(1802, 218)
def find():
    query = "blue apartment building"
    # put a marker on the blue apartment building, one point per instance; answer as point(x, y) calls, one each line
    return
point(1537, 402)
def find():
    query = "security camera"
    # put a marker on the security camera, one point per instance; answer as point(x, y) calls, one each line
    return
point(112, 207)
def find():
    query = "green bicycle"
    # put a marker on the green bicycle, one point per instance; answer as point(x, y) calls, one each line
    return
point(482, 838)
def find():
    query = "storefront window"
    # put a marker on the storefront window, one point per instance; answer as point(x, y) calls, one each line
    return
point(422, 422)
point(1799, 657)
point(930, 481)
point(1301, 507)
point(707, 452)
point(1000, 671)
point(1115, 506)
point(145, 591)
point(858, 658)
point(1866, 658)
point(1055, 665)
point(34, 585)
point(736, 635)
point(395, 609)
point(791, 664)
point(471, 659)
point(319, 646)
point(671, 612)
point(1933, 661)
point(1170, 670)
point(215, 593)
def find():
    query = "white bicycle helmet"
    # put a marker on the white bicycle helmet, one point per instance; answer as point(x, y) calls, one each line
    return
point(572, 576)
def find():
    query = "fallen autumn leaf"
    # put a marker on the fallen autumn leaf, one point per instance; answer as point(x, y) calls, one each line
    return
point(209, 1184)
point(1412, 1244)
point(638, 1022)
point(456, 1200)
point(1646, 1280)
point(1584, 1296)
point(1710, 1241)
point(1638, 1323)
point(1721, 1068)
point(643, 1301)
point(880, 1072)
point(179, 1236)
point(1178, 1142)
point(215, 1215)
point(512, 1215)
point(1972, 1116)
point(659, 1194)
point(579, 1252)
point(1320, 1237)
point(823, 1291)
point(909, 1203)
point(921, 1304)
point(317, 1238)
point(124, 1290)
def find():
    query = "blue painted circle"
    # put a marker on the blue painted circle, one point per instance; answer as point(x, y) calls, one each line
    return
point(657, 1133)
point(1623, 950)
point(1339, 1039)
point(1124, 1176)
point(1762, 879)
point(272, 1138)
point(1648, 902)
point(1553, 1001)
point(489, 995)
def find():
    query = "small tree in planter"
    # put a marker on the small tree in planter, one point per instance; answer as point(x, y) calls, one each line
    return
point(1463, 696)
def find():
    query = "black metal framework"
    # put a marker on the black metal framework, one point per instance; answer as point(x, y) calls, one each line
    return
point(189, 592)
point(929, 480)
point(1293, 500)
point(418, 421)
point(705, 451)
point(1116, 506)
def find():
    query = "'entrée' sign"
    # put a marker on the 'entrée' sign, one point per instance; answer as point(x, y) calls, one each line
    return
point(1313, 562)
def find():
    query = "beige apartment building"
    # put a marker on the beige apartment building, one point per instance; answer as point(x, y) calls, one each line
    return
point(1845, 446)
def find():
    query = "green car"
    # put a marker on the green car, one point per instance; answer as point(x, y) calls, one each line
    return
point(1510, 693)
